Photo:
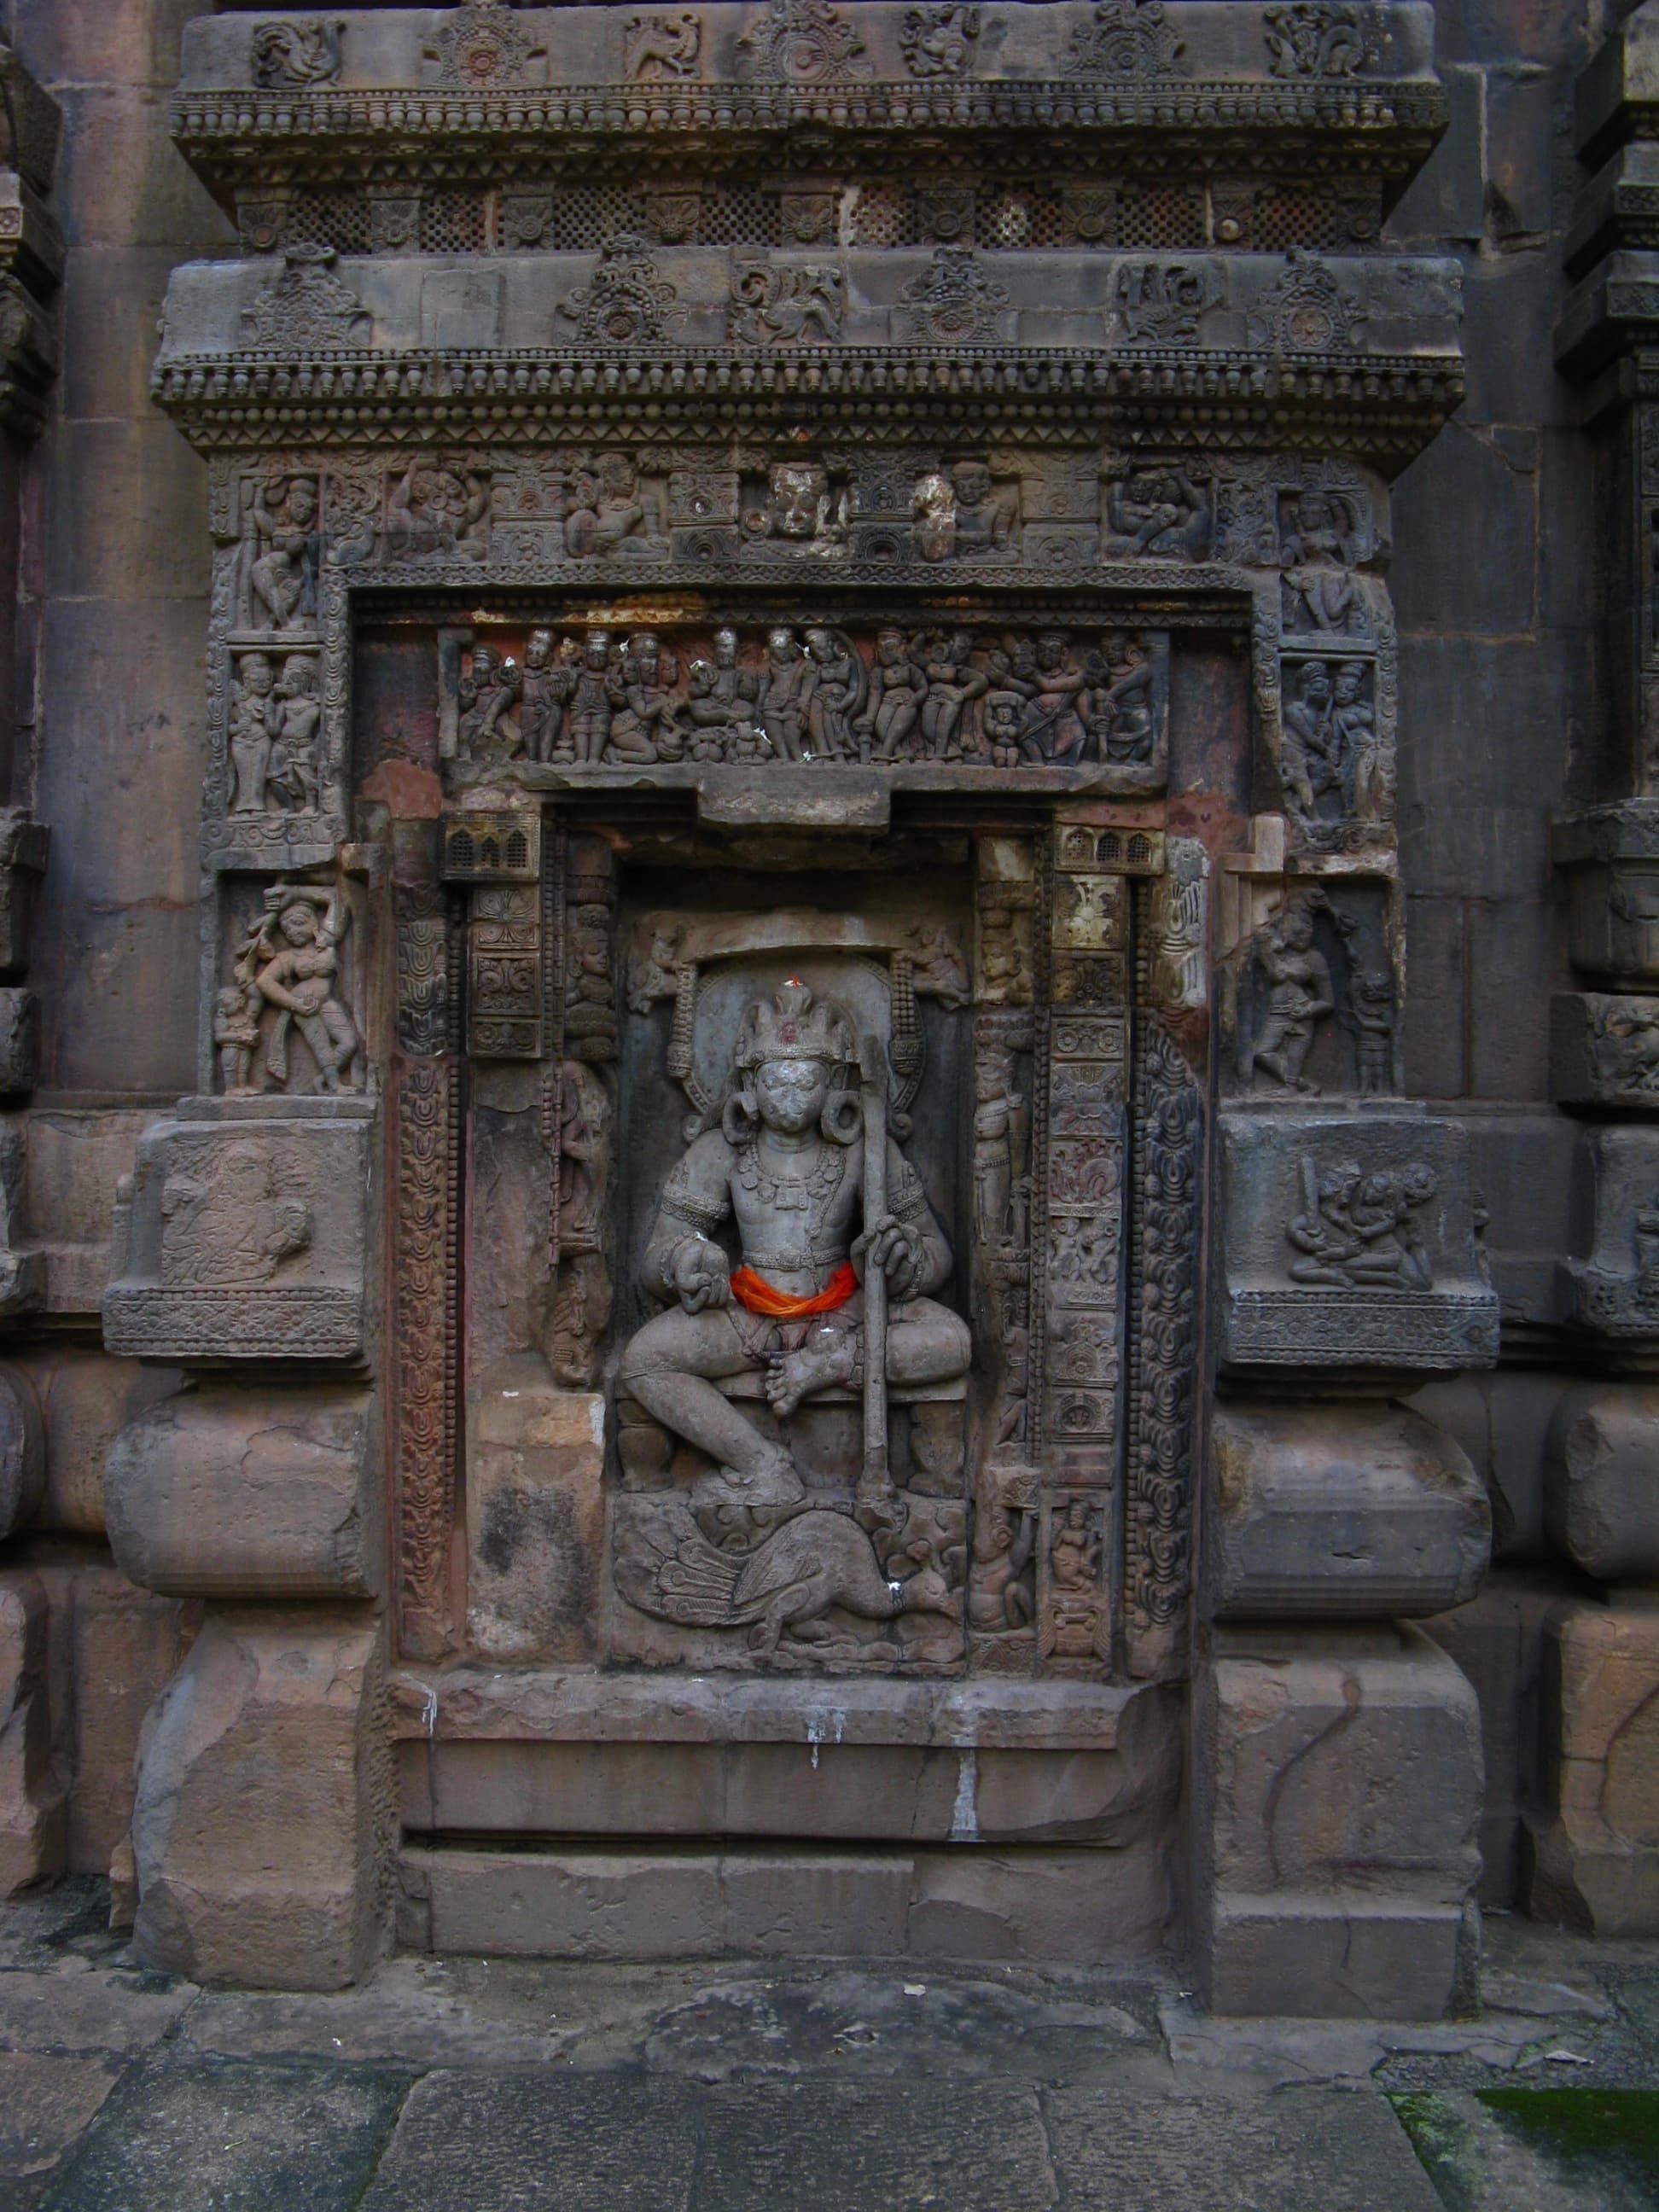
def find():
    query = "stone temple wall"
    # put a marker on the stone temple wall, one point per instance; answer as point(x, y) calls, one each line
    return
point(1246, 1547)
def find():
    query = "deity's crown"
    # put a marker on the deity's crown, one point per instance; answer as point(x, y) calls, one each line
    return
point(795, 1026)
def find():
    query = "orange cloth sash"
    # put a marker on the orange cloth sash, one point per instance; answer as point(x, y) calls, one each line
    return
point(755, 1293)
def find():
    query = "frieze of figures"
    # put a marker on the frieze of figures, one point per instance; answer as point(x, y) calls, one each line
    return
point(894, 696)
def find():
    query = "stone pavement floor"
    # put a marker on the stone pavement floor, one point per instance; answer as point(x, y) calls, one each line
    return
point(474, 2085)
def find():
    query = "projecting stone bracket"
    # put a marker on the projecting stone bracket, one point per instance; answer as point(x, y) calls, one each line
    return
point(1349, 1244)
point(243, 1234)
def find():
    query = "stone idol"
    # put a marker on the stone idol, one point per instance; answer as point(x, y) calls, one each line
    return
point(795, 1257)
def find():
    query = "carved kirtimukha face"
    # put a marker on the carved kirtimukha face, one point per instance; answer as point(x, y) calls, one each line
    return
point(796, 493)
point(791, 1094)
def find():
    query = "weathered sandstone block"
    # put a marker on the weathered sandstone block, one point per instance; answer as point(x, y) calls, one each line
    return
point(258, 1829)
point(1339, 1796)
point(1596, 1859)
point(239, 1493)
point(535, 1512)
point(245, 1235)
point(23, 1450)
point(32, 1812)
point(1601, 1481)
point(1337, 1509)
point(20, 1040)
point(113, 1650)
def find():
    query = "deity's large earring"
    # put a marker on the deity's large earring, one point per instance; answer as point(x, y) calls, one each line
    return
point(842, 1117)
point(740, 1117)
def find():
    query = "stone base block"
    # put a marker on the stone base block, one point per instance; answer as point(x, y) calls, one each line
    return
point(1337, 1792)
point(1350, 1509)
point(1601, 1494)
point(32, 1815)
point(233, 1494)
point(1595, 1859)
point(1310, 1955)
point(264, 1805)
point(1080, 1908)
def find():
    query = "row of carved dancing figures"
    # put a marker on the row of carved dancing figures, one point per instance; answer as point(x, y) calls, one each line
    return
point(480, 46)
point(933, 694)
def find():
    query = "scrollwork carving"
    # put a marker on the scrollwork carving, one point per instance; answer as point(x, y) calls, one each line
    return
point(305, 309)
point(802, 42)
point(940, 40)
point(1127, 37)
point(299, 55)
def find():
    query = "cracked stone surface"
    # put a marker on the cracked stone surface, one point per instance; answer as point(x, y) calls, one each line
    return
point(509, 2085)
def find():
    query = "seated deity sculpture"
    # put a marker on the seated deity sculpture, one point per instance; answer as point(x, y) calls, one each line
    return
point(786, 1163)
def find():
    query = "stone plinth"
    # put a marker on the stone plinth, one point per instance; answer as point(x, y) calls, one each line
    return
point(260, 1819)
point(987, 1816)
point(1596, 1857)
point(1339, 1798)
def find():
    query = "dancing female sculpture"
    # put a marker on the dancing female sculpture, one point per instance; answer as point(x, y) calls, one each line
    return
point(787, 1162)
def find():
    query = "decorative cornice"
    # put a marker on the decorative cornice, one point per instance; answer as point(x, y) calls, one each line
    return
point(1384, 407)
point(237, 141)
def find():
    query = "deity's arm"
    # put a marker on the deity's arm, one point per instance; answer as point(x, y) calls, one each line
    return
point(906, 1200)
point(696, 1199)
